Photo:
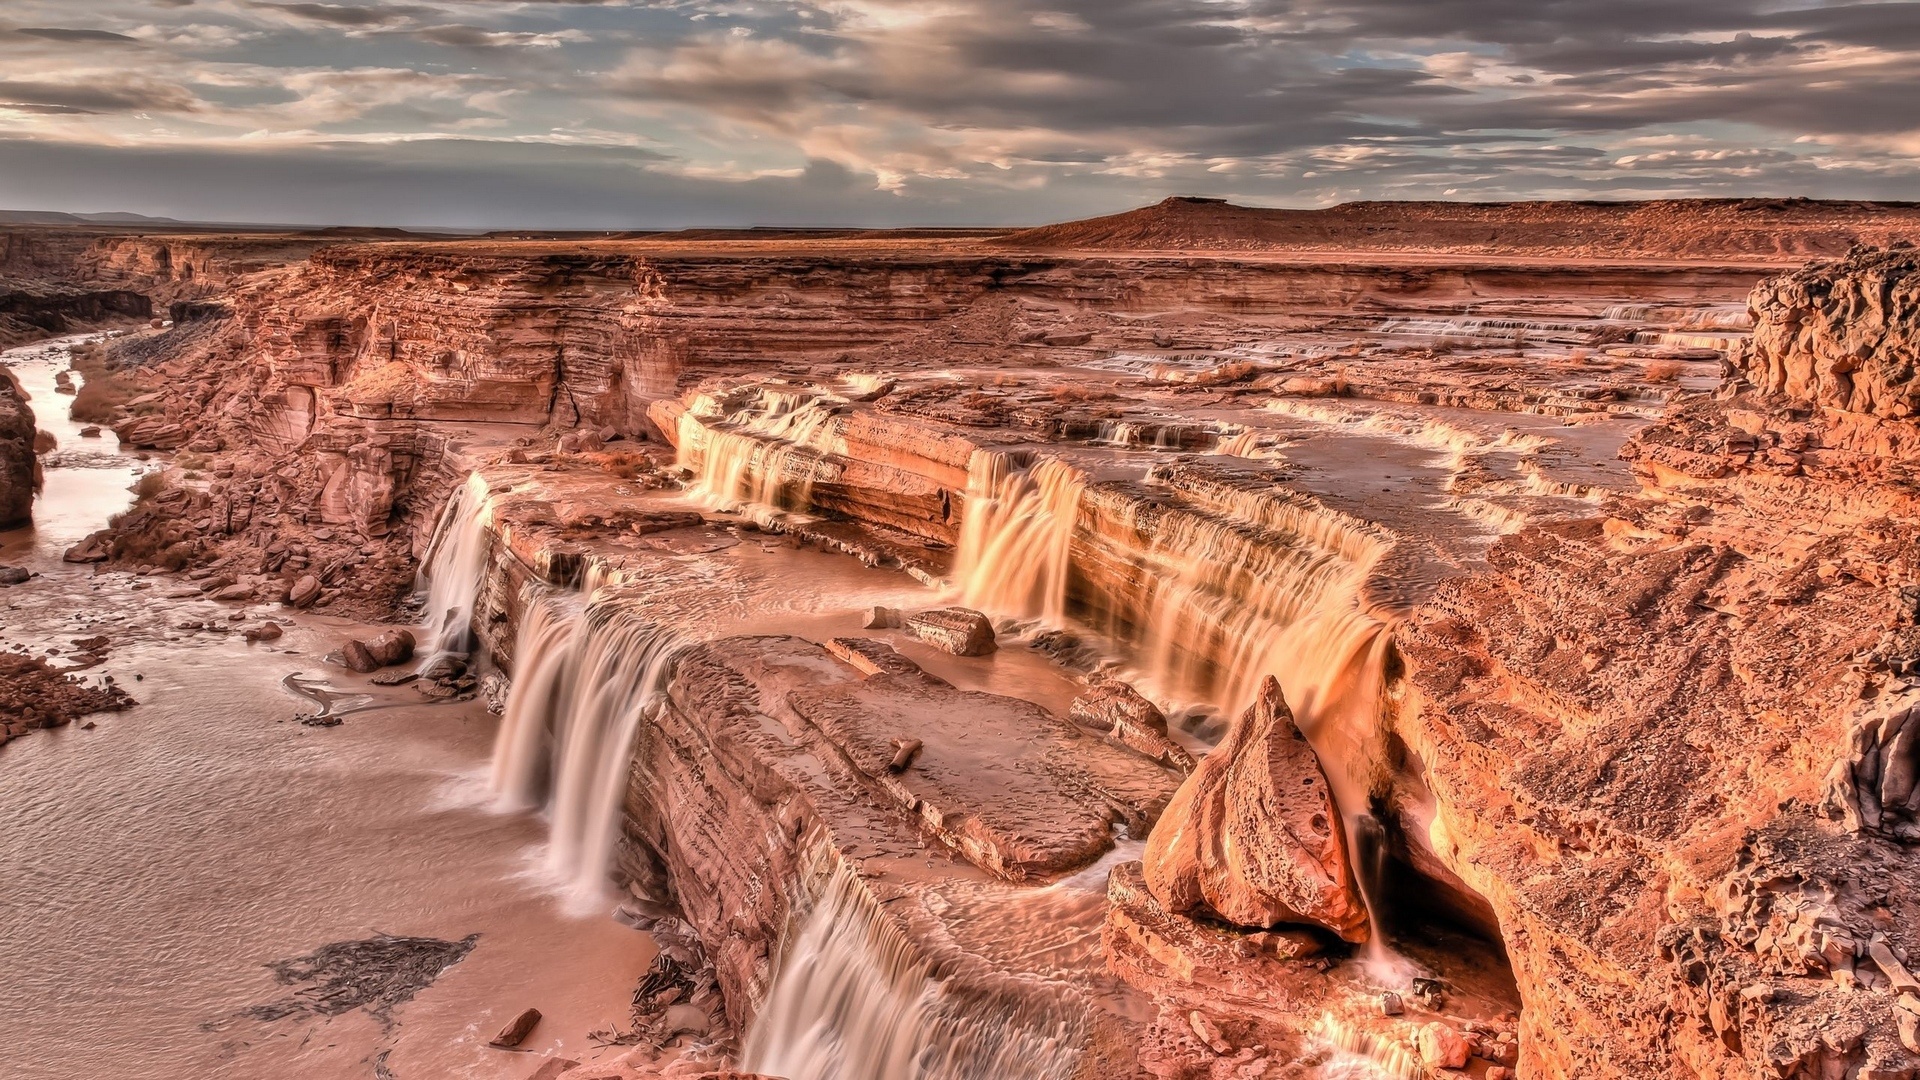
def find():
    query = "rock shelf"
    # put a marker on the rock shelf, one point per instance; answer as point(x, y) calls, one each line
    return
point(1512, 659)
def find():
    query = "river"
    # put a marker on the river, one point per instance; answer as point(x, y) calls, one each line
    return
point(151, 868)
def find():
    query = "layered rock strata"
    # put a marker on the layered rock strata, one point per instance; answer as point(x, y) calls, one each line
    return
point(19, 464)
point(1626, 730)
point(1602, 737)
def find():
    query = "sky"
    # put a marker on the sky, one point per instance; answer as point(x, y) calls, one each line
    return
point(626, 114)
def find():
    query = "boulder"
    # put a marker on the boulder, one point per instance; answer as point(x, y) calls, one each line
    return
point(1107, 705)
point(237, 593)
point(14, 575)
point(959, 631)
point(393, 647)
point(517, 1030)
point(91, 550)
point(1906, 1016)
point(1130, 720)
point(304, 592)
point(267, 631)
point(881, 618)
point(1441, 1047)
point(582, 442)
point(357, 656)
point(150, 433)
point(1253, 836)
point(91, 431)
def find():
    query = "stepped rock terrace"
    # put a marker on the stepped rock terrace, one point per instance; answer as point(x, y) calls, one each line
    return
point(1064, 655)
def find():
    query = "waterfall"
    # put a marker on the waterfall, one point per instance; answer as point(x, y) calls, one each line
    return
point(1014, 538)
point(1224, 586)
point(853, 1001)
point(1267, 582)
point(455, 566)
point(761, 455)
point(588, 674)
point(1243, 444)
point(1485, 330)
point(1237, 582)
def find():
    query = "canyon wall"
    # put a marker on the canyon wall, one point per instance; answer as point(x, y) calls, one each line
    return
point(19, 468)
point(1650, 747)
point(1639, 735)
point(347, 375)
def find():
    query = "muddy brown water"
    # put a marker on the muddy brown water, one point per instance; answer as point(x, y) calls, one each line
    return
point(152, 867)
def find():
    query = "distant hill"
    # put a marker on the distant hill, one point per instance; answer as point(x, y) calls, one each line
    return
point(123, 220)
point(55, 217)
point(1728, 228)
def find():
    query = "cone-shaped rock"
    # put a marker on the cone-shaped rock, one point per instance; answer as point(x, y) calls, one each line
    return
point(1253, 836)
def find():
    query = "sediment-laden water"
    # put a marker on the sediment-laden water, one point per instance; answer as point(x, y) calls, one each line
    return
point(153, 865)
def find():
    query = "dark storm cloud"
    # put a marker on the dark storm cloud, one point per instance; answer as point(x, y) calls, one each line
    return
point(126, 94)
point(338, 14)
point(59, 33)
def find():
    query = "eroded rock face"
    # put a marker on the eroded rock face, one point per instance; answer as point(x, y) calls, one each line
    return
point(1876, 787)
point(1661, 742)
point(18, 465)
point(1597, 713)
point(1253, 836)
point(1841, 335)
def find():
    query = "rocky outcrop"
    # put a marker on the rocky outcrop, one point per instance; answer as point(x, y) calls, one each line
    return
point(766, 768)
point(1253, 836)
point(1659, 743)
point(38, 310)
point(19, 466)
point(1876, 787)
point(35, 695)
point(1842, 335)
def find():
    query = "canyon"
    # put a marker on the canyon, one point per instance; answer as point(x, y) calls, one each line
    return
point(1397, 640)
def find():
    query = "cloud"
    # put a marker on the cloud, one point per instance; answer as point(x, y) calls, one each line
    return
point(45, 109)
point(102, 94)
point(338, 14)
point(57, 33)
point(474, 37)
point(982, 109)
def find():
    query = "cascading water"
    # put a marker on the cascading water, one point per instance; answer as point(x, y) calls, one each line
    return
point(1485, 330)
point(454, 567)
point(589, 674)
point(1015, 536)
point(760, 455)
point(1428, 432)
point(853, 1001)
point(1228, 585)
point(1243, 444)
point(1270, 585)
